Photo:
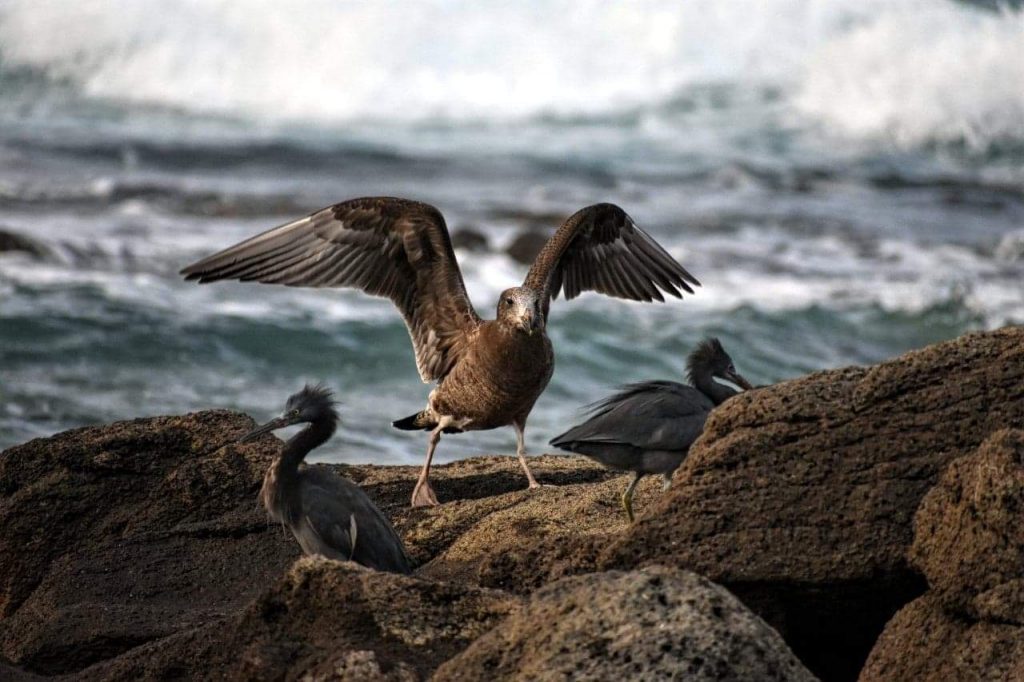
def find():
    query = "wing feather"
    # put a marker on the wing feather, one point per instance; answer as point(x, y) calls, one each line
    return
point(600, 248)
point(390, 247)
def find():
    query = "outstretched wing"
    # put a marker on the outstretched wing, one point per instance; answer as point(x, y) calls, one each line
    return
point(600, 248)
point(384, 246)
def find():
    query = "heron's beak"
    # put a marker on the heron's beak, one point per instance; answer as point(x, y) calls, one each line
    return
point(272, 425)
point(735, 378)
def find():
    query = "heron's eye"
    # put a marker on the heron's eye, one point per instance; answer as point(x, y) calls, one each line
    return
point(732, 368)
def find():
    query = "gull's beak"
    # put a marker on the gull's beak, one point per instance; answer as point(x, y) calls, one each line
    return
point(529, 322)
point(272, 425)
point(737, 379)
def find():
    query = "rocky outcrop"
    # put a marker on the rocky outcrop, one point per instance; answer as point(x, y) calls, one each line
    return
point(116, 535)
point(655, 623)
point(526, 245)
point(118, 541)
point(969, 543)
point(469, 238)
point(326, 620)
point(800, 497)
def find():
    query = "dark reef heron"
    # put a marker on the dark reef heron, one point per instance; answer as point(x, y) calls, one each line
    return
point(648, 427)
point(328, 515)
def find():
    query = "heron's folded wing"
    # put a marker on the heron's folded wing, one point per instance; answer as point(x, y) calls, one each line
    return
point(654, 415)
point(350, 522)
point(385, 246)
point(600, 248)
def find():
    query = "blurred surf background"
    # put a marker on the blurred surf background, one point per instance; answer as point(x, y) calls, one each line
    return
point(846, 178)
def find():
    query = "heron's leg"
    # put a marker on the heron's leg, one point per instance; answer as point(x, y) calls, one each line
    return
point(423, 495)
point(627, 496)
point(666, 481)
point(521, 452)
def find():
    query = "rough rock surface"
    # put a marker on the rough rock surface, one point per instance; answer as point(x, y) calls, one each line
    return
point(116, 535)
point(969, 542)
point(799, 497)
point(326, 620)
point(655, 623)
point(116, 540)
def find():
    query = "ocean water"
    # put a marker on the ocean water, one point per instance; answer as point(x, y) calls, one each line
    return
point(846, 179)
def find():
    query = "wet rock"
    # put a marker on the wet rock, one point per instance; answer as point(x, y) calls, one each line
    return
point(655, 623)
point(326, 620)
point(969, 543)
point(13, 241)
point(470, 239)
point(525, 247)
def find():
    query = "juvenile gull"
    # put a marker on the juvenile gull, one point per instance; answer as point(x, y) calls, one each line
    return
point(489, 373)
point(648, 427)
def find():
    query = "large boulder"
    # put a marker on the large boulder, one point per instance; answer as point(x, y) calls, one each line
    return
point(969, 543)
point(655, 623)
point(800, 497)
point(117, 535)
point(326, 619)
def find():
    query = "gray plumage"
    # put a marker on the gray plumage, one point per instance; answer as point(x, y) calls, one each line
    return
point(489, 373)
point(328, 515)
point(648, 427)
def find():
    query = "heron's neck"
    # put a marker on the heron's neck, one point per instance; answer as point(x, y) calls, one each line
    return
point(300, 445)
point(280, 484)
point(706, 384)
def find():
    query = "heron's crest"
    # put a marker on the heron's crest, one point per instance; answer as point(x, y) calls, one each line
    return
point(707, 356)
point(314, 403)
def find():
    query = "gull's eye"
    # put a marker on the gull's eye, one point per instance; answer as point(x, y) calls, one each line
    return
point(509, 301)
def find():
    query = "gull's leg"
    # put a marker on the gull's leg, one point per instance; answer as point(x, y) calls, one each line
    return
point(521, 452)
point(627, 496)
point(666, 481)
point(423, 495)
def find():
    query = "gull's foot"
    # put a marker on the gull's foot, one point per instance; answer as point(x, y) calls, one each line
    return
point(423, 495)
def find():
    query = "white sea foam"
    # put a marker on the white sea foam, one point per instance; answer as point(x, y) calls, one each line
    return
point(909, 70)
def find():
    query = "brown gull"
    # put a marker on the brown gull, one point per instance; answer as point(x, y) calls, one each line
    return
point(489, 373)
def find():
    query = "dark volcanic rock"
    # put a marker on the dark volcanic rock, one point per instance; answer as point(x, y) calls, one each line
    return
point(116, 535)
point(799, 498)
point(969, 542)
point(326, 620)
point(655, 623)
point(470, 239)
point(12, 241)
point(525, 247)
